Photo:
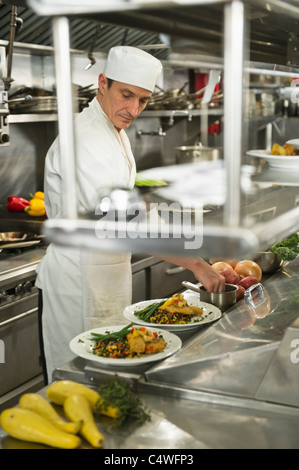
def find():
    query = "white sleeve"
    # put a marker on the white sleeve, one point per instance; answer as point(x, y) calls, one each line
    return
point(99, 165)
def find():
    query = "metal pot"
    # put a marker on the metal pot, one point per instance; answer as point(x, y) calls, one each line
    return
point(268, 262)
point(197, 153)
point(222, 300)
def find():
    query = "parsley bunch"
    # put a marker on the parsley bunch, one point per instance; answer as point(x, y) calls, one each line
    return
point(117, 393)
point(288, 248)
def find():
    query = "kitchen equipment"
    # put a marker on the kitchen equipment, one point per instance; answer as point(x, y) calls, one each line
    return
point(173, 98)
point(15, 240)
point(6, 237)
point(178, 99)
point(38, 104)
point(222, 300)
point(121, 203)
point(197, 153)
point(268, 262)
point(258, 300)
point(21, 367)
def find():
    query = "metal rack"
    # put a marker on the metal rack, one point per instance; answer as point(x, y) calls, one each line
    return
point(247, 31)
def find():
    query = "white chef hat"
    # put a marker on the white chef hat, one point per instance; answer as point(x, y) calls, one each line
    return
point(133, 66)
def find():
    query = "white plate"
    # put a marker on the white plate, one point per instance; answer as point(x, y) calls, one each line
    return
point(82, 345)
point(210, 314)
point(294, 142)
point(275, 160)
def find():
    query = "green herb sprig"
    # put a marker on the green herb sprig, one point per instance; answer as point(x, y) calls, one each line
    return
point(118, 393)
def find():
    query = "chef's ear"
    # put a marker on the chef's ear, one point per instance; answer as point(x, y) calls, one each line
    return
point(102, 82)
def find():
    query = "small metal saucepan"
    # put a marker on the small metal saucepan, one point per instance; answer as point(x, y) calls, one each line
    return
point(197, 153)
point(222, 300)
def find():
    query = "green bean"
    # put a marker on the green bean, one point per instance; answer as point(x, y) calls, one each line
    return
point(146, 313)
point(115, 334)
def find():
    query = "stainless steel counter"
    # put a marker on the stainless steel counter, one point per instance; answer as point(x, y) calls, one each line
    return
point(232, 385)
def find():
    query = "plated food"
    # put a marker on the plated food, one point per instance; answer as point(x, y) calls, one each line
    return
point(284, 150)
point(177, 313)
point(125, 345)
point(284, 156)
point(174, 310)
point(129, 342)
point(286, 162)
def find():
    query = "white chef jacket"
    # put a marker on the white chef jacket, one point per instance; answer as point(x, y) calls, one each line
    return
point(83, 290)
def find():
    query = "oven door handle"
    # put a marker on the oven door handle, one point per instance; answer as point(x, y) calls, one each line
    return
point(176, 270)
point(18, 317)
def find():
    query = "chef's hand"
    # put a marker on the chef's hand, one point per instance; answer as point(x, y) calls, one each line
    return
point(208, 277)
point(204, 273)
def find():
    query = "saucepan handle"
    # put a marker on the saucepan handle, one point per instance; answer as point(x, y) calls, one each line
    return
point(191, 286)
point(248, 294)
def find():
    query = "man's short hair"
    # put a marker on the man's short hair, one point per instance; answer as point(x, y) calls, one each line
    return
point(110, 81)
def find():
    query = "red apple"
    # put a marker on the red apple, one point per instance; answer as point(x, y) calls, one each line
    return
point(240, 292)
point(248, 281)
point(230, 275)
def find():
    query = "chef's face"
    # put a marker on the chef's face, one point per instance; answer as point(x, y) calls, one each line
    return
point(121, 103)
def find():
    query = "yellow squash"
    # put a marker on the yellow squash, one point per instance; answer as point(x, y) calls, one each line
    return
point(38, 404)
point(77, 407)
point(29, 426)
point(57, 392)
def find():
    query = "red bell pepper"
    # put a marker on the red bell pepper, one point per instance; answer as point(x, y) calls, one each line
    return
point(16, 204)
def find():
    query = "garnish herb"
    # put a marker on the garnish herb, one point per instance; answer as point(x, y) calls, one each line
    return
point(117, 393)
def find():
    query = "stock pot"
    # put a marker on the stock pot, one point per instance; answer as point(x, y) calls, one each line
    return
point(197, 153)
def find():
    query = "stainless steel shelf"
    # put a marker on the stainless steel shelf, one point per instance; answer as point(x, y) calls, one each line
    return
point(218, 241)
point(43, 117)
point(23, 118)
point(215, 111)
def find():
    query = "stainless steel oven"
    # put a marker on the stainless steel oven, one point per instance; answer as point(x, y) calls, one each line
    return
point(20, 363)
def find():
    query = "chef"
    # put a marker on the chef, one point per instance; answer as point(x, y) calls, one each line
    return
point(80, 290)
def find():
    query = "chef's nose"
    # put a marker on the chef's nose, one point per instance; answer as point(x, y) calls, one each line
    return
point(133, 107)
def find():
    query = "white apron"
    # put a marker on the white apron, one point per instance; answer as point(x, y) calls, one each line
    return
point(83, 289)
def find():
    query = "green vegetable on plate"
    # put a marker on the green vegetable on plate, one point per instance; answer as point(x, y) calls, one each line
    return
point(146, 313)
point(112, 335)
point(139, 181)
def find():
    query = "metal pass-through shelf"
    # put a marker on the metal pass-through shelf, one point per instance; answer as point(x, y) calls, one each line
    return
point(249, 30)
